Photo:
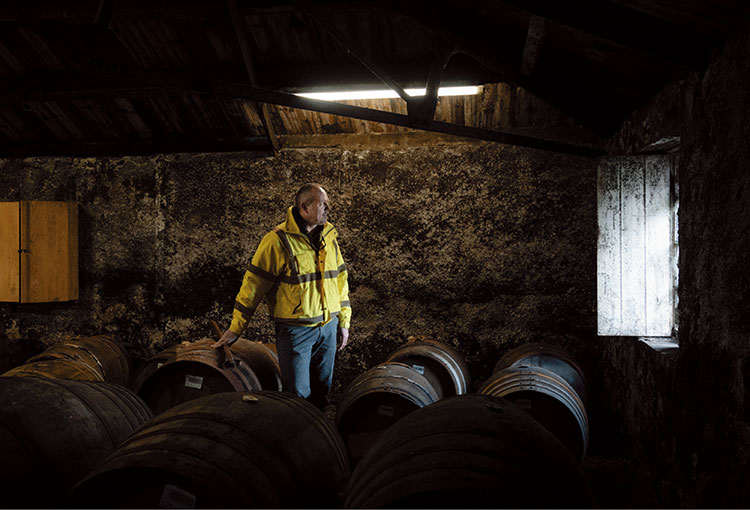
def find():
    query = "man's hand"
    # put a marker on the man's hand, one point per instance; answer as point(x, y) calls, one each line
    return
point(344, 335)
point(227, 339)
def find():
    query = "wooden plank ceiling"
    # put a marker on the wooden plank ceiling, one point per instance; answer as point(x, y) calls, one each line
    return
point(139, 76)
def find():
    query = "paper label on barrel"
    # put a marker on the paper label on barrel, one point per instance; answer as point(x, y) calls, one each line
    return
point(418, 368)
point(194, 381)
point(523, 403)
point(174, 497)
point(386, 410)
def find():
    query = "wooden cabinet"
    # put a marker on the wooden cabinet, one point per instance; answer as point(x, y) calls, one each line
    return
point(38, 251)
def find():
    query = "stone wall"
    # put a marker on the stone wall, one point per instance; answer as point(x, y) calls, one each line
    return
point(479, 245)
point(687, 416)
point(483, 246)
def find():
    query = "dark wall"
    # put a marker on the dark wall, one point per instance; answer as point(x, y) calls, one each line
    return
point(482, 246)
point(688, 414)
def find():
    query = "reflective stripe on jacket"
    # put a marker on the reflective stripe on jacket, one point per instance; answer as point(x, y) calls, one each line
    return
point(302, 286)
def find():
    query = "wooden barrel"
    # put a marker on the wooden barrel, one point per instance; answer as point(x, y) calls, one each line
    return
point(57, 369)
point(260, 357)
point(152, 364)
point(548, 398)
point(377, 399)
point(551, 357)
point(100, 352)
point(469, 451)
point(193, 371)
point(54, 431)
point(262, 360)
point(230, 450)
point(442, 365)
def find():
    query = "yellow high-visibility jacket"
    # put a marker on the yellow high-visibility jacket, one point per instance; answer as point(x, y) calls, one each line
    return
point(303, 287)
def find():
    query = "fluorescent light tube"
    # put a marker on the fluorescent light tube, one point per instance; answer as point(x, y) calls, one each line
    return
point(387, 93)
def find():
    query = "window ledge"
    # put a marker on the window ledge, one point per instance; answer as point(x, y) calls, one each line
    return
point(662, 344)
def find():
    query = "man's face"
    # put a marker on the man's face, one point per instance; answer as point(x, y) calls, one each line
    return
point(316, 212)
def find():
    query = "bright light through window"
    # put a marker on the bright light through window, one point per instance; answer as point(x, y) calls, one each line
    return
point(387, 93)
point(637, 248)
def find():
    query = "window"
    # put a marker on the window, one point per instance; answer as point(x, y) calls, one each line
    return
point(637, 246)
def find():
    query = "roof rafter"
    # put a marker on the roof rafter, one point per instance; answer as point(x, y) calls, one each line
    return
point(370, 64)
point(159, 84)
point(572, 100)
point(614, 23)
point(534, 39)
point(247, 58)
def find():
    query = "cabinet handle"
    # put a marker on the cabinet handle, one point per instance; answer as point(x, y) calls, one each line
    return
point(23, 250)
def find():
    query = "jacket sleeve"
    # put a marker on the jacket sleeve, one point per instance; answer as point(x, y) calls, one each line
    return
point(260, 277)
point(345, 317)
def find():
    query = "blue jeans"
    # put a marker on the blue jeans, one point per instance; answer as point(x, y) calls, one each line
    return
point(306, 356)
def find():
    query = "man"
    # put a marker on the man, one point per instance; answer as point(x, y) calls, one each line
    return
point(298, 267)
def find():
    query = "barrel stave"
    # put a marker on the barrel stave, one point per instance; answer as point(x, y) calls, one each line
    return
point(190, 371)
point(57, 430)
point(101, 353)
point(226, 450)
point(442, 365)
point(56, 369)
point(548, 398)
point(473, 451)
point(262, 360)
point(550, 357)
point(377, 399)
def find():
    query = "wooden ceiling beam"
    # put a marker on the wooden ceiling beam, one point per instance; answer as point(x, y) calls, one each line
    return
point(342, 75)
point(134, 147)
point(534, 39)
point(104, 13)
point(422, 109)
point(247, 57)
point(78, 46)
point(626, 27)
point(366, 61)
point(397, 119)
point(718, 18)
point(159, 84)
point(71, 87)
point(573, 99)
point(132, 10)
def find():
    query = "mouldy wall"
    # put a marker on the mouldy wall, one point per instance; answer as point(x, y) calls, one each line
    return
point(482, 246)
point(688, 416)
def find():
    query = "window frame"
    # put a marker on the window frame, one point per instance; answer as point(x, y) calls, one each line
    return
point(637, 266)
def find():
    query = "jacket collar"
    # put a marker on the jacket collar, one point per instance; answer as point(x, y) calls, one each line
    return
point(291, 227)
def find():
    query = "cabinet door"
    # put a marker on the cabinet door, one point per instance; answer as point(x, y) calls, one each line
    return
point(49, 251)
point(9, 245)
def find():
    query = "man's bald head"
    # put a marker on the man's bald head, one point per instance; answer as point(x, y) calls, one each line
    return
point(307, 193)
point(312, 205)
